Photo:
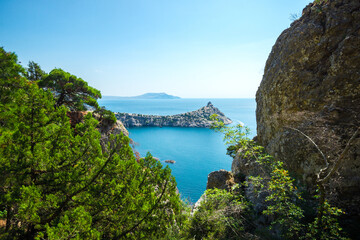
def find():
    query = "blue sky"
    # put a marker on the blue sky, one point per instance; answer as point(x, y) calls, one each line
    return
point(188, 48)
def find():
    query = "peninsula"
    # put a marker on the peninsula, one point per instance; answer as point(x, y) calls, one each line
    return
point(199, 118)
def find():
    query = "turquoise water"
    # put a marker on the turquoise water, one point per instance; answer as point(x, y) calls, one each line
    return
point(197, 151)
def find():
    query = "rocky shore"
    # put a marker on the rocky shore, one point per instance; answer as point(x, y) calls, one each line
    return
point(199, 118)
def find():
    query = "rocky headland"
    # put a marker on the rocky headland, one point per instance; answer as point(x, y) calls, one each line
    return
point(199, 118)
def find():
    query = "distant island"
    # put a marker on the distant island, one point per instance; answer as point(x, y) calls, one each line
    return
point(199, 118)
point(153, 96)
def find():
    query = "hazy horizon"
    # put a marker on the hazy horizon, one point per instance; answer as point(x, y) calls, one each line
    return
point(116, 96)
point(191, 49)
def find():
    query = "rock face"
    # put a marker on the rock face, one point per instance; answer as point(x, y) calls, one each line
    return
point(221, 179)
point(244, 165)
point(105, 127)
point(312, 83)
point(199, 118)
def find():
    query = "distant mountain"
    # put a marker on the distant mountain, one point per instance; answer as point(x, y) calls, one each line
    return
point(153, 96)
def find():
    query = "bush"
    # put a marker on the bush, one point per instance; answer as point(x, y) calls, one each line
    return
point(106, 115)
point(283, 200)
point(220, 215)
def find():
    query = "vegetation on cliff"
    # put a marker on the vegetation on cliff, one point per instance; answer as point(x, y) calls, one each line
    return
point(273, 205)
point(57, 180)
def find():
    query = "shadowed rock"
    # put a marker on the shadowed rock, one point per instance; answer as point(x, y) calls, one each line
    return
point(221, 179)
point(312, 83)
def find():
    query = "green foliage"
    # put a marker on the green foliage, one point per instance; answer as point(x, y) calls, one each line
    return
point(235, 137)
point(9, 67)
point(34, 72)
point(232, 135)
point(73, 225)
point(220, 215)
point(10, 75)
point(282, 196)
point(57, 182)
point(330, 228)
point(282, 200)
point(71, 91)
point(106, 115)
point(179, 230)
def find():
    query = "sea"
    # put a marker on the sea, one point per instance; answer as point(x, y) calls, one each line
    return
point(196, 151)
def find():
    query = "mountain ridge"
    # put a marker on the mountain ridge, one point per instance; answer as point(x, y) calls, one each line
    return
point(150, 96)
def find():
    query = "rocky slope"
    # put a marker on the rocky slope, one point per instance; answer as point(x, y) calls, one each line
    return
point(105, 127)
point(199, 118)
point(312, 83)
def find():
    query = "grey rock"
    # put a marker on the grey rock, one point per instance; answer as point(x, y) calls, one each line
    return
point(199, 118)
point(311, 82)
point(170, 161)
point(221, 179)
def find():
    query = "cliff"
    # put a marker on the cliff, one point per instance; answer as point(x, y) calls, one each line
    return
point(199, 118)
point(312, 83)
point(310, 90)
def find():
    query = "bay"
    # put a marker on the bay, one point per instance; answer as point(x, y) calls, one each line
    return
point(197, 151)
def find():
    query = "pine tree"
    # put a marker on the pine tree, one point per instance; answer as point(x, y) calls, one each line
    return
point(70, 90)
point(56, 181)
point(34, 72)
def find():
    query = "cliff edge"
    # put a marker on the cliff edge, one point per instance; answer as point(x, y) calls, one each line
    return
point(312, 83)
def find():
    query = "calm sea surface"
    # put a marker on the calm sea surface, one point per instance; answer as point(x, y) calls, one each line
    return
point(197, 151)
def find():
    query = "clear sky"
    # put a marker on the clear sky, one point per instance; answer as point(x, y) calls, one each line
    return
point(188, 48)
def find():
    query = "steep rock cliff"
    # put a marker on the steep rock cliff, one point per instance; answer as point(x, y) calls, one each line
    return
point(312, 83)
point(199, 118)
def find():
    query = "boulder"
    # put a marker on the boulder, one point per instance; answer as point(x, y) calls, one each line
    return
point(170, 161)
point(221, 179)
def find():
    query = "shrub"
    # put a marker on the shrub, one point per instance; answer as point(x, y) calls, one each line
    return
point(220, 215)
